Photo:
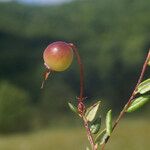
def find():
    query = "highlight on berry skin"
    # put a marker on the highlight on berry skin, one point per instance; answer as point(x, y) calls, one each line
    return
point(57, 57)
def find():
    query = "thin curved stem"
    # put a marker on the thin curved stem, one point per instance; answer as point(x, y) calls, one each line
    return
point(122, 113)
point(81, 98)
point(81, 106)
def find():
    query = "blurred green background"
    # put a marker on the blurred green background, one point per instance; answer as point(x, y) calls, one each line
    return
point(113, 37)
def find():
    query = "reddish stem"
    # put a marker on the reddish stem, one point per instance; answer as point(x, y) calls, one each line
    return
point(81, 106)
point(131, 97)
point(89, 135)
point(46, 74)
point(81, 97)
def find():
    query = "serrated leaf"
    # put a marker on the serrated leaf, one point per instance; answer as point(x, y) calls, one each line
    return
point(144, 87)
point(95, 126)
point(109, 122)
point(92, 111)
point(73, 108)
point(138, 103)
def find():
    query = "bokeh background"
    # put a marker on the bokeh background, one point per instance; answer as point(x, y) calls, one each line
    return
point(113, 37)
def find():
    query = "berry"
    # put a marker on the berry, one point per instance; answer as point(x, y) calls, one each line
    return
point(58, 56)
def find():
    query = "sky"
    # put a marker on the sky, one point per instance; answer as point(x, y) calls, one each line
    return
point(39, 1)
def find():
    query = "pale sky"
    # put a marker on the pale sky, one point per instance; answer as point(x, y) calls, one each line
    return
point(44, 1)
point(39, 1)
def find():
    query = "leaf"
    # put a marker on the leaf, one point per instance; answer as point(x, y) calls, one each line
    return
point(138, 103)
point(148, 61)
point(109, 122)
point(104, 138)
point(73, 108)
point(87, 148)
point(144, 87)
point(92, 111)
point(98, 137)
point(95, 126)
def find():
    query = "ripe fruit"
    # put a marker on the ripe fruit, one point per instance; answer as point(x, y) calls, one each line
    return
point(58, 56)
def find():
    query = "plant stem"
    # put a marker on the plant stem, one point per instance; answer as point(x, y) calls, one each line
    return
point(122, 113)
point(89, 135)
point(81, 106)
point(81, 98)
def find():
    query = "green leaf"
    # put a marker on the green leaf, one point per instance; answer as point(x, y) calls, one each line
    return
point(144, 87)
point(138, 103)
point(148, 62)
point(73, 108)
point(104, 138)
point(92, 112)
point(95, 126)
point(98, 137)
point(109, 122)
point(87, 148)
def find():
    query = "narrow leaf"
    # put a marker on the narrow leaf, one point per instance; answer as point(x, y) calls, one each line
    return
point(109, 122)
point(138, 103)
point(92, 112)
point(104, 138)
point(87, 148)
point(144, 87)
point(95, 126)
point(98, 137)
point(148, 62)
point(73, 108)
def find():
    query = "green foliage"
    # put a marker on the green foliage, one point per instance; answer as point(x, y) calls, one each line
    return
point(138, 103)
point(144, 87)
point(95, 126)
point(104, 138)
point(109, 122)
point(73, 108)
point(100, 136)
point(92, 112)
point(87, 148)
point(149, 62)
point(96, 29)
point(109, 53)
point(14, 108)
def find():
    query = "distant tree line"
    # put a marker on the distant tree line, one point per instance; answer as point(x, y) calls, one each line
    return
point(112, 36)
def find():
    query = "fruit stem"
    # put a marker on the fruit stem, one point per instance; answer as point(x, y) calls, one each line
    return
point(81, 97)
point(81, 106)
point(131, 97)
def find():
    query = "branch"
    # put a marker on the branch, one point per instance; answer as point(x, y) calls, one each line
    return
point(131, 97)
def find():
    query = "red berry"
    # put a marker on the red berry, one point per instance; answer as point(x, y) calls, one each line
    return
point(58, 56)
